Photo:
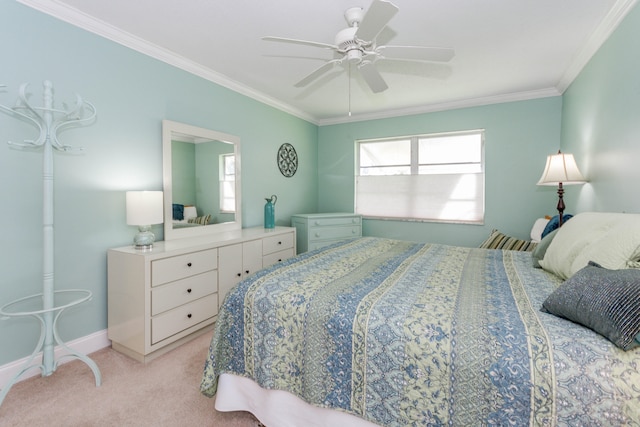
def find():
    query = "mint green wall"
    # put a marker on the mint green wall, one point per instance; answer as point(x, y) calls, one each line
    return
point(132, 94)
point(601, 123)
point(518, 137)
point(183, 174)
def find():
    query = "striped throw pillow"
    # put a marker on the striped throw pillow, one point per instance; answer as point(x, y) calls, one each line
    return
point(498, 240)
point(202, 220)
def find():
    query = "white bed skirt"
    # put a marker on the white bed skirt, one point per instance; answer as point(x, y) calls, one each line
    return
point(276, 408)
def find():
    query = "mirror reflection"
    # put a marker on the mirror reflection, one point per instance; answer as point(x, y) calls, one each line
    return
point(201, 180)
point(195, 169)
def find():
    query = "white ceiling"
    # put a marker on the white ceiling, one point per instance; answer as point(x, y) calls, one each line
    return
point(505, 49)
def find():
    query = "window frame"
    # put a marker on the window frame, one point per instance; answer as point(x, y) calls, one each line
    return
point(414, 167)
point(223, 180)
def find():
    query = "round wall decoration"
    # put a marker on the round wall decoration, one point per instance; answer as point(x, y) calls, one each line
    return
point(287, 160)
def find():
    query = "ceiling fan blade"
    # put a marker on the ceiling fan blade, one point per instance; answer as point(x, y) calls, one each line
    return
point(416, 53)
point(296, 41)
point(372, 77)
point(375, 19)
point(318, 72)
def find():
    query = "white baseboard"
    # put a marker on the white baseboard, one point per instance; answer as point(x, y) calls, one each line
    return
point(85, 345)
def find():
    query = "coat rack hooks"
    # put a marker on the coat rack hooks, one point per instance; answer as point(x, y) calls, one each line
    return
point(51, 303)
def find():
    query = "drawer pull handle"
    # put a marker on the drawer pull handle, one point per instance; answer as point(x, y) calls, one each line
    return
point(246, 271)
point(279, 243)
point(239, 274)
point(189, 315)
point(188, 264)
point(189, 290)
point(279, 259)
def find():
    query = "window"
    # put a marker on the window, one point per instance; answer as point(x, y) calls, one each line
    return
point(436, 177)
point(227, 183)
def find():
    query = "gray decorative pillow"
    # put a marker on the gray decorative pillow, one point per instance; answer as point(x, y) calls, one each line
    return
point(538, 252)
point(607, 301)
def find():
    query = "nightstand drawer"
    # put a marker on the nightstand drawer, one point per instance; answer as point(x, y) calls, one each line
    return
point(174, 294)
point(169, 269)
point(183, 317)
point(277, 243)
point(277, 257)
point(325, 233)
point(326, 222)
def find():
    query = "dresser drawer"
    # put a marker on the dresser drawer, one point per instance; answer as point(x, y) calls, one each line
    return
point(326, 222)
point(277, 243)
point(183, 291)
point(323, 233)
point(276, 257)
point(169, 269)
point(183, 317)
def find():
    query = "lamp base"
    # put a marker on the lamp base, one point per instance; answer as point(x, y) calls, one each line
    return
point(145, 238)
point(560, 207)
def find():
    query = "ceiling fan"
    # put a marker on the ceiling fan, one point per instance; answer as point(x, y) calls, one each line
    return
point(357, 45)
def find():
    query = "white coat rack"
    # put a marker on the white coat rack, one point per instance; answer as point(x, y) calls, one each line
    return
point(49, 304)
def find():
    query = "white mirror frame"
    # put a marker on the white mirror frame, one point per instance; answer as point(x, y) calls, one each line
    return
point(168, 129)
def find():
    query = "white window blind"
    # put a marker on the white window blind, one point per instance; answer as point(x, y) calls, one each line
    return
point(427, 177)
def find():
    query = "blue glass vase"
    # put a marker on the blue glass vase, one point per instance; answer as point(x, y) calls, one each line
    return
point(270, 212)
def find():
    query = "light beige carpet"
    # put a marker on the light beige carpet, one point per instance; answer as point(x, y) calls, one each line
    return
point(163, 392)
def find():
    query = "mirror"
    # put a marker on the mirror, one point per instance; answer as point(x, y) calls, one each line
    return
point(201, 175)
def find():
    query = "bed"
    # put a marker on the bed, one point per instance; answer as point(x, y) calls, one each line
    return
point(385, 332)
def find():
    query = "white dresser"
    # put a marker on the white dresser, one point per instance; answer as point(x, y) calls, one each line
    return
point(158, 299)
point(317, 230)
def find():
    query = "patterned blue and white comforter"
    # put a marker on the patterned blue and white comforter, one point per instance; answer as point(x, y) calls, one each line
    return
point(403, 334)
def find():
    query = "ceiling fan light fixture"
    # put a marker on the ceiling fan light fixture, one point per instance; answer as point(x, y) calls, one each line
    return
point(357, 45)
point(354, 56)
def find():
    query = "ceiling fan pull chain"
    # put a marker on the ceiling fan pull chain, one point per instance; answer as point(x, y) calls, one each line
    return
point(349, 78)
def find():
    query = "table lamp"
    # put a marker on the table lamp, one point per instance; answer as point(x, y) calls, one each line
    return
point(561, 169)
point(144, 208)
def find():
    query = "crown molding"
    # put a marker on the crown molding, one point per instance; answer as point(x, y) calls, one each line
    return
point(444, 106)
point(80, 19)
point(608, 25)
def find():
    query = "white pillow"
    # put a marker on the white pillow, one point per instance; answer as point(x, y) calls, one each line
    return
point(618, 248)
point(190, 212)
point(538, 228)
point(609, 239)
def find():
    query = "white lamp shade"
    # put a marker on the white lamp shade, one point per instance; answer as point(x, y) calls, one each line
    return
point(144, 207)
point(561, 168)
